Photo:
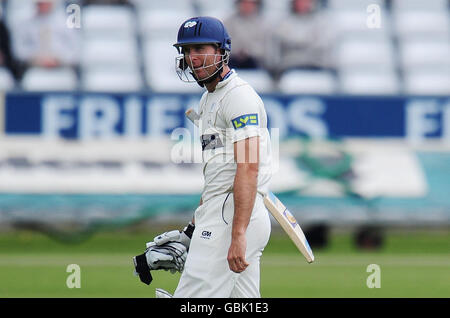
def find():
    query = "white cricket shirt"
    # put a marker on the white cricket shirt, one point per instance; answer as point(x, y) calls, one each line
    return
point(233, 112)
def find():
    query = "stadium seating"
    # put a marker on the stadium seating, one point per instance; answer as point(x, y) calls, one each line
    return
point(427, 82)
point(219, 9)
point(351, 21)
point(354, 4)
point(54, 79)
point(105, 19)
point(355, 52)
point(136, 43)
point(307, 82)
point(424, 52)
point(115, 79)
point(109, 51)
point(161, 23)
point(6, 80)
point(166, 5)
point(371, 81)
point(421, 23)
point(260, 79)
point(419, 5)
point(159, 60)
point(110, 59)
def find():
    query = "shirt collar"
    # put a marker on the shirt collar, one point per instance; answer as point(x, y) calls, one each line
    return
point(228, 77)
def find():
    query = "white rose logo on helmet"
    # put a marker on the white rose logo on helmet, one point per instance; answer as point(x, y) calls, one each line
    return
point(190, 24)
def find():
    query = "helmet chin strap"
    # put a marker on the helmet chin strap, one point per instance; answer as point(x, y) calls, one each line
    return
point(210, 79)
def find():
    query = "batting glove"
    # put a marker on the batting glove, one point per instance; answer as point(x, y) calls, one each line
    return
point(183, 237)
point(169, 256)
point(168, 251)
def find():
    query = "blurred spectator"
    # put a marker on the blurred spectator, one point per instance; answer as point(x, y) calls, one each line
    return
point(301, 40)
point(6, 57)
point(248, 32)
point(45, 40)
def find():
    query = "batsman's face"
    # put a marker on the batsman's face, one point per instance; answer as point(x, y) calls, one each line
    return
point(202, 59)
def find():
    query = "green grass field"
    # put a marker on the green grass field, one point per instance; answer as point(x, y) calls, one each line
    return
point(413, 264)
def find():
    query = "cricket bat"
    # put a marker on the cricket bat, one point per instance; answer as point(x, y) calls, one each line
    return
point(193, 116)
point(289, 225)
point(278, 211)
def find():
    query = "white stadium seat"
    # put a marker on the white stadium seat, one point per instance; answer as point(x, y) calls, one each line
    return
point(162, 23)
point(363, 52)
point(6, 80)
point(348, 22)
point(111, 79)
point(260, 80)
point(307, 82)
point(98, 51)
point(426, 23)
point(108, 19)
point(428, 52)
point(427, 82)
point(52, 79)
point(167, 5)
point(354, 4)
point(218, 9)
point(159, 59)
point(420, 5)
point(369, 82)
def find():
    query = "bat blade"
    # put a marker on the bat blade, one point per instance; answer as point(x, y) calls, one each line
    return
point(289, 225)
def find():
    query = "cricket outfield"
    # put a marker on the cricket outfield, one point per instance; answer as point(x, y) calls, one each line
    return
point(411, 264)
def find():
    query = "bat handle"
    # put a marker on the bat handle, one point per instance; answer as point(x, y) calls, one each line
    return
point(192, 115)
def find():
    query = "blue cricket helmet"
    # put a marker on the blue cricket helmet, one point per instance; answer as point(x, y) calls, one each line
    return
point(200, 30)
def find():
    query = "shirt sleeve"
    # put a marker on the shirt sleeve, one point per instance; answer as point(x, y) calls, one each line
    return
point(242, 113)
